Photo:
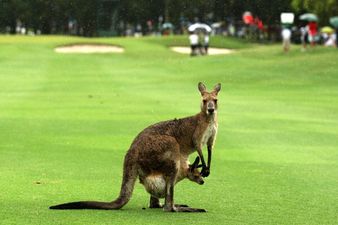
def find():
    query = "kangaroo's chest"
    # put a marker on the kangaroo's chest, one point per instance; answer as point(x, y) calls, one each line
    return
point(209, 131)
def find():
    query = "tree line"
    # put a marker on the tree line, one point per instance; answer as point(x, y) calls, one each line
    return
point(94, 17)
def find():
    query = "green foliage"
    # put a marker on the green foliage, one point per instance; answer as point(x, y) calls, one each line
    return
point(323, 8)
point(92, 15)
point(67, 121)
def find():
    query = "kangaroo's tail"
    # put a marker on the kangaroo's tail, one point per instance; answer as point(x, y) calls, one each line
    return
point(84, 205)
point(129, 177)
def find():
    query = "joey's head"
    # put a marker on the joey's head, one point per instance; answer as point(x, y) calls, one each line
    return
point(209, 99)
point(194, 174)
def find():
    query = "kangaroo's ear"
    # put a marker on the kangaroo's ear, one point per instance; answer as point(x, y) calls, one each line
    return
point(217, 88)
point(201, 87)
point(196, 162)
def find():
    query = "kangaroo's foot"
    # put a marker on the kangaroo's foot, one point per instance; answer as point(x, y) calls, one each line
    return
point(159, 205)
point(154, 203)
point(188, 209)
point(183, 209)
point(181, 205)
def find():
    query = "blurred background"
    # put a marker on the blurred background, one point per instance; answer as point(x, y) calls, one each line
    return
point(155, 17)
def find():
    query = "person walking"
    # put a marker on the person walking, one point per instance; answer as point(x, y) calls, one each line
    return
point(312, 32)
point(206, 44)
point(193, 38)
point(286, 35)
point(303, 37)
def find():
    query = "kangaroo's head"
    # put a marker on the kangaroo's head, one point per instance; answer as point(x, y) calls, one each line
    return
point(209, 99)
point(194, 174)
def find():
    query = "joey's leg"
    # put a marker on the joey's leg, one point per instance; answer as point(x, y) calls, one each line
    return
point(154, 203)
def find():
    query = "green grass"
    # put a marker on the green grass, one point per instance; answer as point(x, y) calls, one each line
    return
point(67, 121)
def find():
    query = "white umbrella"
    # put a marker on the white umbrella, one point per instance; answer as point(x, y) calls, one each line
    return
point(216, 25)
point(167, 26)
point(201, 26)
point(309, 17)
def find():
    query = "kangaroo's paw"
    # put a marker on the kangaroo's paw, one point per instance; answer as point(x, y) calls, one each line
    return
point(205, 172)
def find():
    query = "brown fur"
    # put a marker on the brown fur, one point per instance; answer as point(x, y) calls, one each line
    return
point(164, 148)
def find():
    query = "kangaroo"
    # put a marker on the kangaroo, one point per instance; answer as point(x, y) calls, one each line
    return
point(164, 148)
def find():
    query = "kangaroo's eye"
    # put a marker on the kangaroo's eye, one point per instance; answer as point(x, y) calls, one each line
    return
point(215, 100)
point(204, 101)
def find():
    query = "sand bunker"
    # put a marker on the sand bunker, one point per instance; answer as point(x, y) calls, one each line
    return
point(211, 51)
point(89, 48)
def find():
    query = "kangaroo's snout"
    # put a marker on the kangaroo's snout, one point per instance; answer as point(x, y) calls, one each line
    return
point(211, 110)
point(210, 107)
point(201, 182)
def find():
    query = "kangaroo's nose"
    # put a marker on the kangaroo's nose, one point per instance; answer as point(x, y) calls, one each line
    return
point(201, 182)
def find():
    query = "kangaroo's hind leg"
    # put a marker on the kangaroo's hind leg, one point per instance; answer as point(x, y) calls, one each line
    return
point(169, 205)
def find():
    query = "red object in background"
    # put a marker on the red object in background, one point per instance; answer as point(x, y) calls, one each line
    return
point(248, 18)
point(259, 23)
point(312, 28)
